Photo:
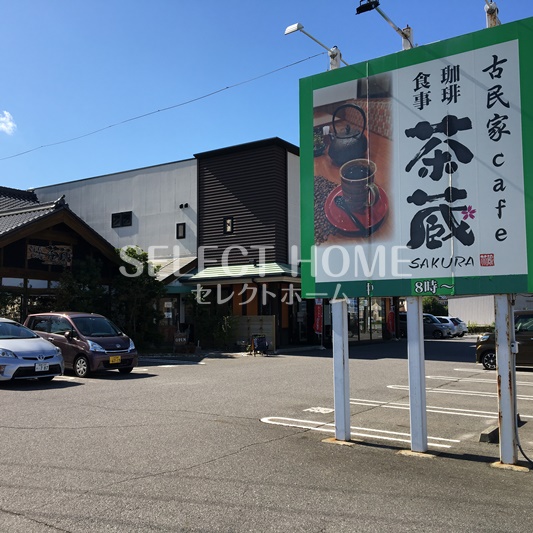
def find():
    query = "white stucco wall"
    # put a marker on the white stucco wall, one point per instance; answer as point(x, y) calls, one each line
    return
point(475, 309)
point(153, 194)
point(480, 309)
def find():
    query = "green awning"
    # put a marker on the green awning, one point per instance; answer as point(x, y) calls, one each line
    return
point(238, 272)
point(178, 289)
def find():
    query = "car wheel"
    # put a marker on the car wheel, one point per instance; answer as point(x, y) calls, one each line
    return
point(462, 334)
point(126, 370)
point(81, 367)
point(488, 359)
point(437, 334)
point(47, 378)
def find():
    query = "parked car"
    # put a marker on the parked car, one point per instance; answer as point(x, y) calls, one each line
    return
point(23, 354)
point(89, 342)
point(486, 343)
point(462, 328)
point(448, 320)
point(433, 327)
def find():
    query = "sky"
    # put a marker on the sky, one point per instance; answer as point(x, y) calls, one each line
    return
point(105, 86)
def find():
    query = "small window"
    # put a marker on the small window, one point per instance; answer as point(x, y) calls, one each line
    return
point(121, 220)
point(180, 230)
point(228, 225)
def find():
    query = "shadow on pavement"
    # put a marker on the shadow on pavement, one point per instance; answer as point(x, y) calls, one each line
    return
point(459, 350)
point(34, 384)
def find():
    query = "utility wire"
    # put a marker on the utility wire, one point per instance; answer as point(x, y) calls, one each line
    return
point(160, 110)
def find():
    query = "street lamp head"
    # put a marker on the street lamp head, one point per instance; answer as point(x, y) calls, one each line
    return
point(293, 28)
point(366, 5)
point(334, 53)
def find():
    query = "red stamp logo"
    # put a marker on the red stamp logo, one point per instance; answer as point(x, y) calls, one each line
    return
point(486, 260)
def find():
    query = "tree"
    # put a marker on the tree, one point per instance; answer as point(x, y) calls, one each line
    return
point(130, 300)
point(81, 289)
point(434, 306)
point(136, 292)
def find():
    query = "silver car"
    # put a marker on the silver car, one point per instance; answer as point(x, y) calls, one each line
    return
point(449, 321)
point(462, 328)
point(23, 354)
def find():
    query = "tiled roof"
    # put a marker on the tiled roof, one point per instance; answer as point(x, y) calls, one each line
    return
point(18, 208)
point(10, 220)
point(16, 198)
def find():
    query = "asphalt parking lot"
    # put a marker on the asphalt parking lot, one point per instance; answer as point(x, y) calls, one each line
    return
point(461, 398)
point(240, 444)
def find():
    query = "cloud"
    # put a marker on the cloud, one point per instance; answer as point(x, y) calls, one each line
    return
point(7, 124)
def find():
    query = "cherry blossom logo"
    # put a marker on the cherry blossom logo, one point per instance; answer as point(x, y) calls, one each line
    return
point(469, 212)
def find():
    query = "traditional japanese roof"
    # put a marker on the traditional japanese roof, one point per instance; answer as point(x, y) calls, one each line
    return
point(25, 212)
point(16, 198)
point(21, 215)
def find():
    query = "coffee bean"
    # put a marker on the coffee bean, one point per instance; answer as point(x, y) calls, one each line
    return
point(323, 227)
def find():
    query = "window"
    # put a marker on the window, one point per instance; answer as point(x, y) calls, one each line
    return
point(59, 325)
point(228, 225)
point(121, 220)
point(524, 323)
point(180, 230)
point(40, 324)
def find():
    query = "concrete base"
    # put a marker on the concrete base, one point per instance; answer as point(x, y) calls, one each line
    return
point(333, 440)
point(514, 468)
point(409, 453)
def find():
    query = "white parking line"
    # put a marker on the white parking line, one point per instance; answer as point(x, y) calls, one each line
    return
point(431, 409)
point(482, 370)
point(461, 392)
point(477, 380)
point(165, 364)
point(187, 363)
point(354, 431)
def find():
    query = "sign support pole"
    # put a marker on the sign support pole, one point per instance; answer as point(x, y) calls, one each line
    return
point(417, 375)
point(341, 372)
point(506, 370)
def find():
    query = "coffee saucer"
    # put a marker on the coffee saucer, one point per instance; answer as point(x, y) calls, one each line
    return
point(371, 218)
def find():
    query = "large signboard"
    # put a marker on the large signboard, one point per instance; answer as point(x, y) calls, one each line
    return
point(416, 170)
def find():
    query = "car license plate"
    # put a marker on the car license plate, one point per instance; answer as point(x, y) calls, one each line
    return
point(113, 359)
point(42, 367)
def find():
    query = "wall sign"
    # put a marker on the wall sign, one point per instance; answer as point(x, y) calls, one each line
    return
point(413, 170)
point(54, 254)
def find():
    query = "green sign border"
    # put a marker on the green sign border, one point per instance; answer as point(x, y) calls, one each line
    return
point(522, 31)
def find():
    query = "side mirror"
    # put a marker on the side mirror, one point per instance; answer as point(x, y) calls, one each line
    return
point(69, 335)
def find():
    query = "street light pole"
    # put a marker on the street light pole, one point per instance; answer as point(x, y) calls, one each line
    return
point(491, 10)
point(335, 56)
point(406, 34)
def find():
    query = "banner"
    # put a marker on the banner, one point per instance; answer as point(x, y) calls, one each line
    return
point(319, 316)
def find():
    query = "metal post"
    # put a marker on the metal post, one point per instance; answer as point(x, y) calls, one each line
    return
point(407, 43)
point(506, 371)
point(407, 38)
point(491, 14)
point(341, 372)
point(417, 375)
